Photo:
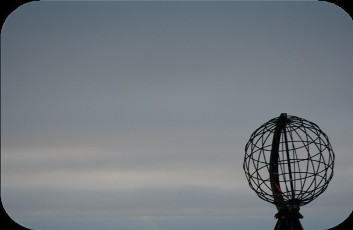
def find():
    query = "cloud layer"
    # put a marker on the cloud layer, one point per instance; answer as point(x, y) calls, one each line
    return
point(135, 115)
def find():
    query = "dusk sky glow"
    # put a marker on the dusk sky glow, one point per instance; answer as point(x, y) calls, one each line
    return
point(135, 115)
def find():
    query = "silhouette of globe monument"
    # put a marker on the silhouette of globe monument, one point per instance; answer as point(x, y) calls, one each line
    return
point(288, 162)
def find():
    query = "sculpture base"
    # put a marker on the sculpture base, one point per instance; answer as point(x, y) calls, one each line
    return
point(288, 220)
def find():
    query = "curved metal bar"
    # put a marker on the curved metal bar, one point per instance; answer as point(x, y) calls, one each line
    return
point(274, 175)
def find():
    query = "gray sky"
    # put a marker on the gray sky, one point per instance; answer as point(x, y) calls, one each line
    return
point(135, 115)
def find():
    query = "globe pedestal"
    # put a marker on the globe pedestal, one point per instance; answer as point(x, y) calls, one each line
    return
point(288, 220)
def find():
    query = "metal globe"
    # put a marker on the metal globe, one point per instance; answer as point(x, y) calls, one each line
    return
point(288, 162)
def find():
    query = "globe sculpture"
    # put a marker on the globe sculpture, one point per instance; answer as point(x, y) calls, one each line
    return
point(288, 162)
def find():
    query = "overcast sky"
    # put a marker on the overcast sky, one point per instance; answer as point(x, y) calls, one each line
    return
point(135, 115)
